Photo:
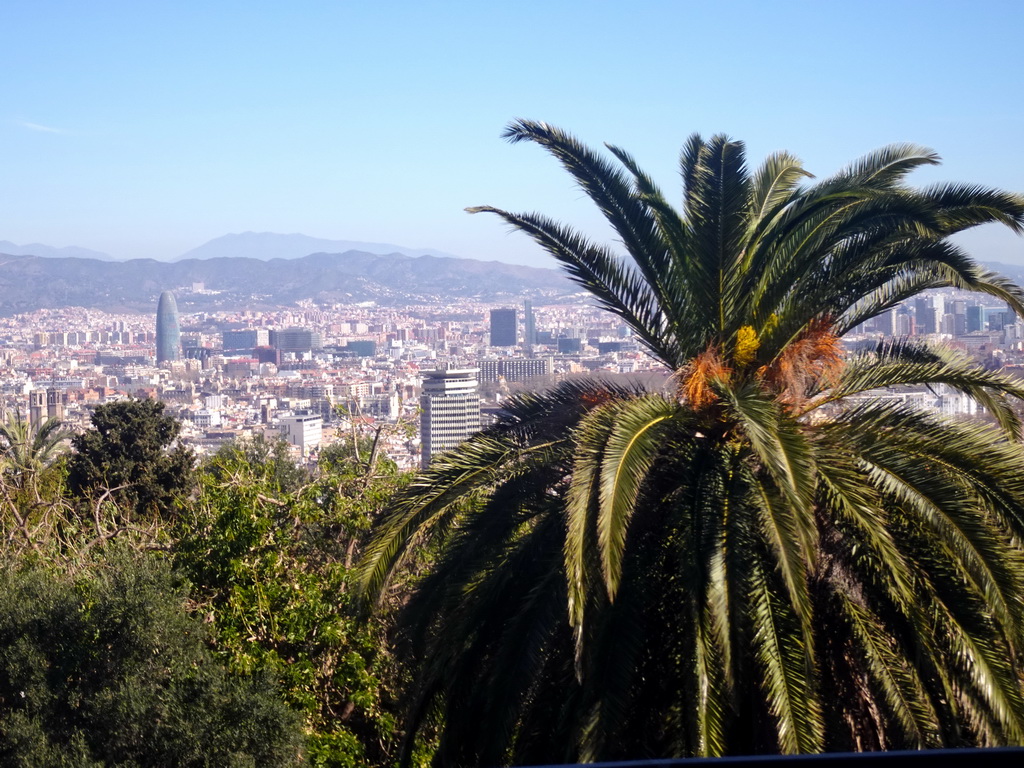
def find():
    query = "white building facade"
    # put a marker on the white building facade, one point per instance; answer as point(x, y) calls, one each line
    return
point(449, 410)
point(303, 430)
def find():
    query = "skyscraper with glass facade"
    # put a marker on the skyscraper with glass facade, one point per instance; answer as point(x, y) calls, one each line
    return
point(168, 329)
point(529, 324)
point(503, 327)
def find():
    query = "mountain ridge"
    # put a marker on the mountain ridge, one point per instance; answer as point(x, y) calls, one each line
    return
point(39, 249)
point(28, 283)
point(270, 245)
point(259, 245)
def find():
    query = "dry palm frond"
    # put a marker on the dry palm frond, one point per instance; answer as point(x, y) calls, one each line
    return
point(595, 397)
point(697, 377)
point(813, 361)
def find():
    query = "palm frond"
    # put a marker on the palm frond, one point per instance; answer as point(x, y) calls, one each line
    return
point(617, 286)
point(902, 688)
point(963, 206)
point(781, 448)
point(914, 470)
point(430, 502)
point(906, 362)
point(883, 168)
point(715, 212)
point(632, 447)
point(782, 653)
point(583, 495)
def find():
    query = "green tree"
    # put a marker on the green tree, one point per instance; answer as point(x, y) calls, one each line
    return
point(745, 563)
point(284, 473)
point(103, 667)
point(270, 569)
point(131, 452)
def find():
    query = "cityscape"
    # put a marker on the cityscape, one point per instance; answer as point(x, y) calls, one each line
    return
point(469, 385)
point(311, 375)
point(308, 374)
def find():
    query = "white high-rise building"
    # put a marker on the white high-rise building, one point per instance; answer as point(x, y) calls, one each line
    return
point(449, 410)
point(303, 429)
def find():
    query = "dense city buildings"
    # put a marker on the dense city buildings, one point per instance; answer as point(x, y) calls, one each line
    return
point(352, 367)
point(168, 329)
point(314, 374)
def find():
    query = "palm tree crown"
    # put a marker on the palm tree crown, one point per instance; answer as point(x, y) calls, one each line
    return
point(744, 563)
point(27, 448)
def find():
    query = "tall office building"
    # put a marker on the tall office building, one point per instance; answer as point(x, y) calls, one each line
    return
point(924, 314)
point(529, 324)
point(975, 319)
point(449, 410)
point(296, 340)
point(248, 338)
point(887, 323)
point(168, 329)
point(503, 327)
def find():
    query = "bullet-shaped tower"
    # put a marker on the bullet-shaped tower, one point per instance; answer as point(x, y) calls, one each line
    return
point(168, 329)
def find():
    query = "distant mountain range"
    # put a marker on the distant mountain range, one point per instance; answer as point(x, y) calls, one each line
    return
point(32, 282)
point(251, 245)
point(260, 270)
point(48, 251)
point(270, 245)
point(1014, 272)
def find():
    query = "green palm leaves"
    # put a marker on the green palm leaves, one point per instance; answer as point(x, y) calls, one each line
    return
point(757, 559)
point(27, 448)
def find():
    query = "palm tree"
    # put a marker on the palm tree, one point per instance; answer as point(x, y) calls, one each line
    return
point(26, 448)
point(750, 561)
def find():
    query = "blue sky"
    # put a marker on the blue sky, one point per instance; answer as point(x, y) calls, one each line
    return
point(145, 129)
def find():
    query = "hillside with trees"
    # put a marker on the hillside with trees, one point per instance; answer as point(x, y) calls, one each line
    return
point(157, 612)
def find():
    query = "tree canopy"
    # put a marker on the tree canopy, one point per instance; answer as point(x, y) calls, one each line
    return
point(103, 667)
point(270, 564)
point(131, 451)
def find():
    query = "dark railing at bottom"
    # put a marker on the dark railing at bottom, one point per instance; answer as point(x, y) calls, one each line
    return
point(994, 757)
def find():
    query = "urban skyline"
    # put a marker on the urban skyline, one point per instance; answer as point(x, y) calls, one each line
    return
point(285, 372)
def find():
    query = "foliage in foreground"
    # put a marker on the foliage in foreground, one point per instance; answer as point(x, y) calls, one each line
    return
point(270, 567)
point(27, 449)
point(257, 607)
point(744, 564)
point(104, 667)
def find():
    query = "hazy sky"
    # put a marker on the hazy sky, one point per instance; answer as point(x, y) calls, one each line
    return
point(144, 129)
